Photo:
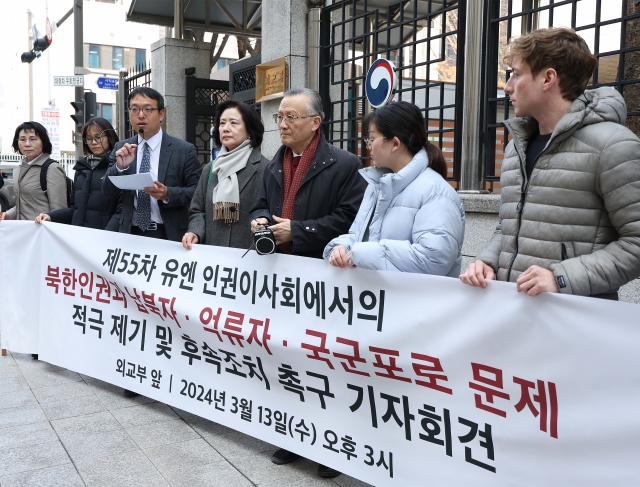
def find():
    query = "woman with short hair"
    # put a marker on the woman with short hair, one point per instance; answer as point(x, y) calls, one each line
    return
point(32, 141)
point(411, 219)
point(90, 207)
point(230, 185)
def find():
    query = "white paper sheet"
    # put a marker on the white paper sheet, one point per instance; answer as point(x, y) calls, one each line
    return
point(133, 181)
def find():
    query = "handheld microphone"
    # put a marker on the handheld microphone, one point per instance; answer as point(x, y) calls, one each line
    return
point(141, 132)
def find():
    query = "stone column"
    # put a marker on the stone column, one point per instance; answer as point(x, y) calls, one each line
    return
point(284, 33)
point(471, 175)
point(169, 58)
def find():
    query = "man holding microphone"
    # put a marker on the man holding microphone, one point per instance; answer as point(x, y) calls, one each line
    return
point(160, 211)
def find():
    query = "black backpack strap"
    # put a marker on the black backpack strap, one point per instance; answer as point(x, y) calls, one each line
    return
point(43, 175)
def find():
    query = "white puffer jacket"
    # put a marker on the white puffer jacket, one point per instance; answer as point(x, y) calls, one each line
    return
point(418, 224)
point(579, 213)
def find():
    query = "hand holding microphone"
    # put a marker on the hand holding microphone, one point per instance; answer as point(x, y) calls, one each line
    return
point(127, 154)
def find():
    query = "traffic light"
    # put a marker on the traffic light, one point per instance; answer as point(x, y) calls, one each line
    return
point(28, 56)
point(90, 106)
point(39, 45)
point(78, 117)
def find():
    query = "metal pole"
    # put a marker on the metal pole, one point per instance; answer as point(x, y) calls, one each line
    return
point(313, 73)
point(471, 174)
point(121, 100)
point(48, 53)
point(178, 19)
point(29, 47)
point(64, 17)
point(78, 63)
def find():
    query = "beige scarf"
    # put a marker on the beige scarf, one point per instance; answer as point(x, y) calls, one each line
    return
point(226, 194)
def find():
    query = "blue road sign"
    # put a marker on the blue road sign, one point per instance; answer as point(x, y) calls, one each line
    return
point(107, 83)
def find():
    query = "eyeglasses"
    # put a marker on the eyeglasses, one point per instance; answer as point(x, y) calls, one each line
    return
point(31, 140)
point(369, 140)
point(93, 140)
point(135, 111)
point(290, 119)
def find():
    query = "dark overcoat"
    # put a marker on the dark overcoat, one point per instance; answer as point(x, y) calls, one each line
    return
point(326, 202)
point(217, 232)
point(90, 207)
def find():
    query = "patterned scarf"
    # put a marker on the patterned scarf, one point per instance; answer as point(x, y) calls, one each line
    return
point(226, 194)
point(291, 185)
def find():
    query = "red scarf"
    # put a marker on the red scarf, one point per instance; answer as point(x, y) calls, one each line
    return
point(291, 185)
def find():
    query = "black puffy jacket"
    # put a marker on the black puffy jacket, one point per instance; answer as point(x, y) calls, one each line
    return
point(91, 209)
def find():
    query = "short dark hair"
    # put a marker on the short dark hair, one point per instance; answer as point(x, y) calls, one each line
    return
point(40, 131)
point(147, 93)
point(404, 120)
point(250, 117)
point(105, 128)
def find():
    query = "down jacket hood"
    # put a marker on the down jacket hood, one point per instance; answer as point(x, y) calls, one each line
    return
point(593, 106)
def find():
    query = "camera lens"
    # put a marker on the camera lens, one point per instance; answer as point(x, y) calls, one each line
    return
point(265, 245)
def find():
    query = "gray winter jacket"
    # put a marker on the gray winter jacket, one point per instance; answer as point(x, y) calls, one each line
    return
point(415, 221)
point(579, 213)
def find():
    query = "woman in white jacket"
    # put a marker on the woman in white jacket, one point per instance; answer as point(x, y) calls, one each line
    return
point(411, 219)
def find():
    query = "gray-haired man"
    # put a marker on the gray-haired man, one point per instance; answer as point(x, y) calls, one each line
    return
point(311, 192)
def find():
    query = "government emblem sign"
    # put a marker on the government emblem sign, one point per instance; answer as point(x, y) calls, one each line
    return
point(380, 83)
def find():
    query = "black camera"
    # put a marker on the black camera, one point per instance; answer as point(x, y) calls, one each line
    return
point(264, 241)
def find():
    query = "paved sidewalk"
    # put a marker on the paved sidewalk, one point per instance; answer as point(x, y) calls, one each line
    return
point(60, 428)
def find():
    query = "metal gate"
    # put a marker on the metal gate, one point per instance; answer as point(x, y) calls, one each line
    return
point(425, 40)
point(203, 97)
point(135, 77)
point(242, 81)
point(611, 28)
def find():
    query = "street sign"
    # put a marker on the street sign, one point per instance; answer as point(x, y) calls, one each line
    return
point(107, 83)
point(68, 81)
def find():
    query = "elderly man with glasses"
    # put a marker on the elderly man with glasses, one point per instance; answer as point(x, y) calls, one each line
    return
point(311, 192)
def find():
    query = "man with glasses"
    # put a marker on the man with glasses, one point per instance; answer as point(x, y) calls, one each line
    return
point(311, 192)
point(160, 211)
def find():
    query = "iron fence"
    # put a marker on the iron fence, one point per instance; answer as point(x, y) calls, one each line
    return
point(423, 39)
point(139, 75)
point(611, 28)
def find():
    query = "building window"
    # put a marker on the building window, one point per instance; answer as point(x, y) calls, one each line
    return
point(141, 58)
point(105, 110)
point(118, 55)
point(94, 56)
point(223, 63)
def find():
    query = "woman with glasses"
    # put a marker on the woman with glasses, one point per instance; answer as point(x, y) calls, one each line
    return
point(411, 219)
point(228, 187)
point(90, 208)
point(31, 140)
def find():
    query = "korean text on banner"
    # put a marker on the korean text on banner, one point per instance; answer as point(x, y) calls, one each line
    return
point(391, 378)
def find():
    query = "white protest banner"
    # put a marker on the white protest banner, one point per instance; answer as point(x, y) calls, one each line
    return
point(396, 379)
point(19, 293)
